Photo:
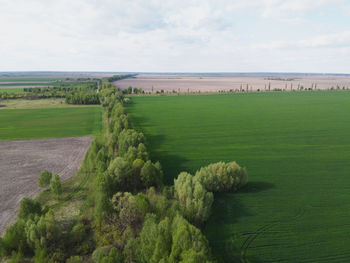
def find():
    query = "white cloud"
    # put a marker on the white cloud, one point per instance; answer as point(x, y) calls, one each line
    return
point(155, 35)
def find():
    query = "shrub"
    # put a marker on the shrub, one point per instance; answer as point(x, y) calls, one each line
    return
point(44, 178)
point(222, 177)
point(55, 185)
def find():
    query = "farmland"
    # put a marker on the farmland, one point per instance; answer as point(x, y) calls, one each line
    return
point(209, 83)
point(12, 90)
point(49, 122)
point(22, 161)
point(295, 147)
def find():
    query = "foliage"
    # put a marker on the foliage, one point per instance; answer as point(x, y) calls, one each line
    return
point(172, 240)
point(151, 174)
point(83, 98)
point(128, 138)
point(195, 202)
point(55, 185)
point(222, 177)
point(42, 232)
point(28, 207)
point(44, 178)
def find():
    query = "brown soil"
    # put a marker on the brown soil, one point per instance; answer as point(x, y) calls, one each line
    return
point(22, 161)
point(212, 83)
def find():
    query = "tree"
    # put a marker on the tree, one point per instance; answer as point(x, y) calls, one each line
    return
point(151, 174)
point(55, 185)
point(44, 178)
point(28, 207)
point(222, 177)
point(195, 202)
point(129, 138)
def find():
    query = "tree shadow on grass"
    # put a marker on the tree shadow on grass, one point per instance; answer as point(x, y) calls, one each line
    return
point(256, 187)
point(227, 210)
point(172, 164)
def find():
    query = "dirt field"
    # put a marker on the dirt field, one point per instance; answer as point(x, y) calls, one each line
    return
point(213, 83)
point(22, 161)
point(34, 104)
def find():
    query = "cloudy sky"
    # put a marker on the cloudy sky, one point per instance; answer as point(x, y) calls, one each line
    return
point(175, 36)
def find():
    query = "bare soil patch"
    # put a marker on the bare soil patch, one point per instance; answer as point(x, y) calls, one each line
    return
point(22, 161)
point(214, 83)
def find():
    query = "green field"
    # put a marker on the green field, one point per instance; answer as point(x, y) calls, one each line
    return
point(49, 122)
point(14, 90)
point(296, 147)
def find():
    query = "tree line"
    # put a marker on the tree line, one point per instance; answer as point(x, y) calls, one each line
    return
point(129, 215)
point(60, 91)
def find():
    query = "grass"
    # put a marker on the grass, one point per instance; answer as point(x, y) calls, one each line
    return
point(296, 147)
point(49, 122)
point(13, 90)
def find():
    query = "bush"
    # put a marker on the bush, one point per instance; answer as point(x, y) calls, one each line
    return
point(44, 178)
point(55, 185)
point(222, 177)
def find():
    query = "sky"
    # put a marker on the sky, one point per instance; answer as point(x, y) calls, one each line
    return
point(175, 36)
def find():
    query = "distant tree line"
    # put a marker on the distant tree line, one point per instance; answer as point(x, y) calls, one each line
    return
point(59, 91)
point(120, 77)
point(82, 98)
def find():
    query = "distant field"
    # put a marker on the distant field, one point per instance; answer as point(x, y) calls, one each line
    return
point(41, 103)
point(29, 79)
point(12, 90)
point(216, 82)
point(296, 147)
point(12, 84)
point(49, 122)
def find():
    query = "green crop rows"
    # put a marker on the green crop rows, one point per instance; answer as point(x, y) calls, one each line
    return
point(49, 122)
point(296, 147)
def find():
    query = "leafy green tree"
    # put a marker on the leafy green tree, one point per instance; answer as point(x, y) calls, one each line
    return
point(44, 178)
point(121, 172)
point(194, 200)
point(222, 177)
point(151, 174)
point(28, 207)
point(131, 209)
point(55, 185)
point(42, 232)
point(129, 138)
point(15, 238)
point(188, 243)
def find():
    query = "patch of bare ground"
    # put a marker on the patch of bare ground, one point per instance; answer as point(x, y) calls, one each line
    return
point(22, 161)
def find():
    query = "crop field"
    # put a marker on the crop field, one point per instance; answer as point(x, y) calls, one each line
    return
point(296, 148)
point(11, 90)
point(49, 122)
point(184, 83)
